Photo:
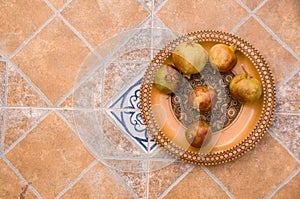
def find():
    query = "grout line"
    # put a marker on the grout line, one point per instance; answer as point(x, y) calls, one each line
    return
point(51, 108)
point(251, 13)
point(225, 189)
point(159, 7)
point(32, 36)
point(260, 5)
point(235, 29)
point(51, 7)
point(102, 98)
point(101, 63)
point(28, 81)
point(277, 38)
point(283, 144)
point(101, 139)
point(287, 113)
point(289, 77)
point(67, 122)
point(74, 129)
point(81, 175)
point(4, 110)
point(145, 5)
point(2, 134)
point(243, 5)
point(132, 140)
point(135, 158)
point(77, 33)
point(18, 174)
point(64, 6)
point(72, 108)
point(121, 180)
point(57, 11)
point(27, 132)
point(169, 188)
point(148, 172)
point(132, 82)
point(268, 29)
point(152, 31)
point(283, 183)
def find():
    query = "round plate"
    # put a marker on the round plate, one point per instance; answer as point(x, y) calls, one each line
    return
point(241, 132)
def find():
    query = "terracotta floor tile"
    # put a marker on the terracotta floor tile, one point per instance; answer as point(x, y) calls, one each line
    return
point(11, 186)
point(90, 62)
point(160, 153)
point(252, 4)
point(108, 18)
point(56, 54)
point(58, 3)
point(2, 111)
point(149, 4)
point(197, 184)
point(289, 95)
point(87, 125)
point(2, 82)
point(68, 114)
point(154, 4)
point(287, 13)
point(161, 178)
point(137, 48)
point(186, 16)
point(257, 173)
point(290, 190)
point(19, 19)
point(280, 60)
point(117, 76)
point(116, 143)
point(136, 181)
point(98, 182)
point(89, 93)
point(289, 133)
point(20, 93)
point(18, 121)
point(106, 48)
point(161, 37)
point(50, 157)
point(68, 102)
point(127, 166)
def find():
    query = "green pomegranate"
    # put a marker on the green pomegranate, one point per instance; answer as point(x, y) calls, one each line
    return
point(198, 134)
point(245, 88)
point(222, 57)
point(189, 58)
point(167, 79)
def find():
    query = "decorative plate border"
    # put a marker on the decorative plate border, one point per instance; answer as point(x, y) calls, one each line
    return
point(263, 124)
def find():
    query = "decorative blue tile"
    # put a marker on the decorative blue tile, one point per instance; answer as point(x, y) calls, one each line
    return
point(130, 99)
point(131, 123)
point(124, 108)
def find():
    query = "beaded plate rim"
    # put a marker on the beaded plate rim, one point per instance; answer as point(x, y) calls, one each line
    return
point(261, 127)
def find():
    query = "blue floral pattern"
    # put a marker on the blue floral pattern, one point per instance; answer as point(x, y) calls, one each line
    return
point(129, 117)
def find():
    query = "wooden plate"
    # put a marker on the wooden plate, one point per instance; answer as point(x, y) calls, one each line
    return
point(242, 125)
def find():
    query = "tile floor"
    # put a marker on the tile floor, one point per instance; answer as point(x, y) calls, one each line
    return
point(71, 126)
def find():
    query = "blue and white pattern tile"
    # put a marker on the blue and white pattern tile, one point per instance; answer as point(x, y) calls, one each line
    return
point(131, 123)
point(129, 99)
point(129, 120)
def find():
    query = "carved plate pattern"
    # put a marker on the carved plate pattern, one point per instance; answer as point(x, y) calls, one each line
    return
point(257, 133)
